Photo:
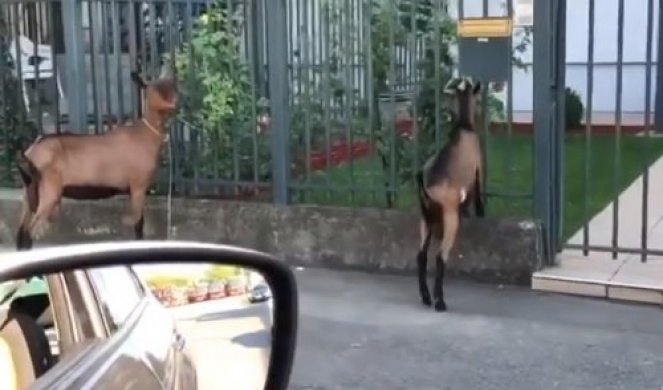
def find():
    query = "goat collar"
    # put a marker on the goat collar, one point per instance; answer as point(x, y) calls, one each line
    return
point(154, 130)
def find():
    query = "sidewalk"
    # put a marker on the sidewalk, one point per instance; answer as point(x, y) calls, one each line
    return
point(624, 278)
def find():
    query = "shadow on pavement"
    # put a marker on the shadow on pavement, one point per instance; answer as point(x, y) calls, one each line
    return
point(257, 339)
point(262, 311)
point(229, 314)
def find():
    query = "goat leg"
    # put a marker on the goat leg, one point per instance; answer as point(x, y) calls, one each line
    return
point(465, 207)
point(135, 217)
point(422, 263)
point(139, 228)
point(479, 206)
point(450, 218)
point(438, 288)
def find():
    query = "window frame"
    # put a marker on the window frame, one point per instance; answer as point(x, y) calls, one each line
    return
point(110, 326)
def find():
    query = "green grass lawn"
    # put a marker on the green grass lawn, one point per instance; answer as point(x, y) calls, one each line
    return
point(509, 177)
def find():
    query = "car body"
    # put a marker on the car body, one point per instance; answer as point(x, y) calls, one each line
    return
point(101, 333)
point(259, 293)
point(217, 289)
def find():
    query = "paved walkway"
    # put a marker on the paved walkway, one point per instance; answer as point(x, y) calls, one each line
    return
point(363, 331)
point(625, 277)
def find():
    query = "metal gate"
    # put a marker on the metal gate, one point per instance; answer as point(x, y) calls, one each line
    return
point(593, 178)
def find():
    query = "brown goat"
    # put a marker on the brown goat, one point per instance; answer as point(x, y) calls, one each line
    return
point(446, 183)
point(123, 160)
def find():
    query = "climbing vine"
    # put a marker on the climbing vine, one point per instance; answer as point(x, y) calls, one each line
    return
point(16, 128)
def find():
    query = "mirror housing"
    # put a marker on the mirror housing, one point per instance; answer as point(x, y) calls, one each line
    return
point(57, 259)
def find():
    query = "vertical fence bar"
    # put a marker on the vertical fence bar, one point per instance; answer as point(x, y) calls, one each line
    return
point(56, 69)
point(142, 30)
point(588, 126)
point(415, 85)
point(658, 104)
point(133, 54)
point(72, 18)
point(348, 101)
point(19, 67)
point(153, 22)
point(369, 87)
point(252, 56)
point(306, 64)
point(645, 160)
point(391, 77)
point(485, 123)
point(618, 127)
point(185, 138)
point(117, 52)
point(293, 67)
point(279, 97)
point(93, 72)
point(509, 113)
point(261, 40)
point(542, 70)
point(36, 40)
point(437, 60)
point(4, 45)
point(327, 93)
point(559, 127)
point(107, 81)
point(234, 31)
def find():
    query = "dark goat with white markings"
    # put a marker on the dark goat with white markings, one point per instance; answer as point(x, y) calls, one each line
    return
point(446, 183)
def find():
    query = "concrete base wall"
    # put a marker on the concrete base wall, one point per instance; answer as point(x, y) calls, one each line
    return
point(492, 250)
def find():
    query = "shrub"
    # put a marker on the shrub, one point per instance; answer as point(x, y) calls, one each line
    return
point(219, 104)
point(574, 108)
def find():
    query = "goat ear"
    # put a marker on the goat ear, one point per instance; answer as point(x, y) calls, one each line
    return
point(477, 88)
point(138, 80)
point(450, 87)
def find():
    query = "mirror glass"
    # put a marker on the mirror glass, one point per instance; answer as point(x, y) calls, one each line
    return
point(214, 320)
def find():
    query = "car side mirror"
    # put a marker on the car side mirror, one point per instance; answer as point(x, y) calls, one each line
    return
point(142, 311)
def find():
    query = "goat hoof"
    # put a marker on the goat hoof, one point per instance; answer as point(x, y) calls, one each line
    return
point(440, 306)
point(425, 299)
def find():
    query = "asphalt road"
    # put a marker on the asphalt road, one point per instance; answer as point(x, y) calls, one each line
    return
point(362, 331)
point(230, 341)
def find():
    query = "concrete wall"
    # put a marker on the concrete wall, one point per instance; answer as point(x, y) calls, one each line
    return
point(494, 250)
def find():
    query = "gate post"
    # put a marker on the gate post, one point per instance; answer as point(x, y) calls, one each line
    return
point(76, 88)
point(277, 66)
point(548, 119)
point(559, 127)
point(658, 100)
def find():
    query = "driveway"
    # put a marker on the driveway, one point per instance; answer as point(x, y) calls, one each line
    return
point(363, 331)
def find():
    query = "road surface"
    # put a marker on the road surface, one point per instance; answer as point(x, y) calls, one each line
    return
point(230, 341)
point(362, 331)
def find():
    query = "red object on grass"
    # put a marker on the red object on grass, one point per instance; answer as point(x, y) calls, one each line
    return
point(338, 151)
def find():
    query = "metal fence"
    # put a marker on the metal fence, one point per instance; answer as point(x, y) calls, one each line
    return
point(332, 101)
point(363, 90)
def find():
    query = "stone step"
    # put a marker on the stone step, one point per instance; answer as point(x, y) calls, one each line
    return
point(622, 280)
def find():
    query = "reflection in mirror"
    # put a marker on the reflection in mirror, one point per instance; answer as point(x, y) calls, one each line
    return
point(204, 323)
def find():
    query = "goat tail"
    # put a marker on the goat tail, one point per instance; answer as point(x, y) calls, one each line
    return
point(424, 199)
point(30, 176)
